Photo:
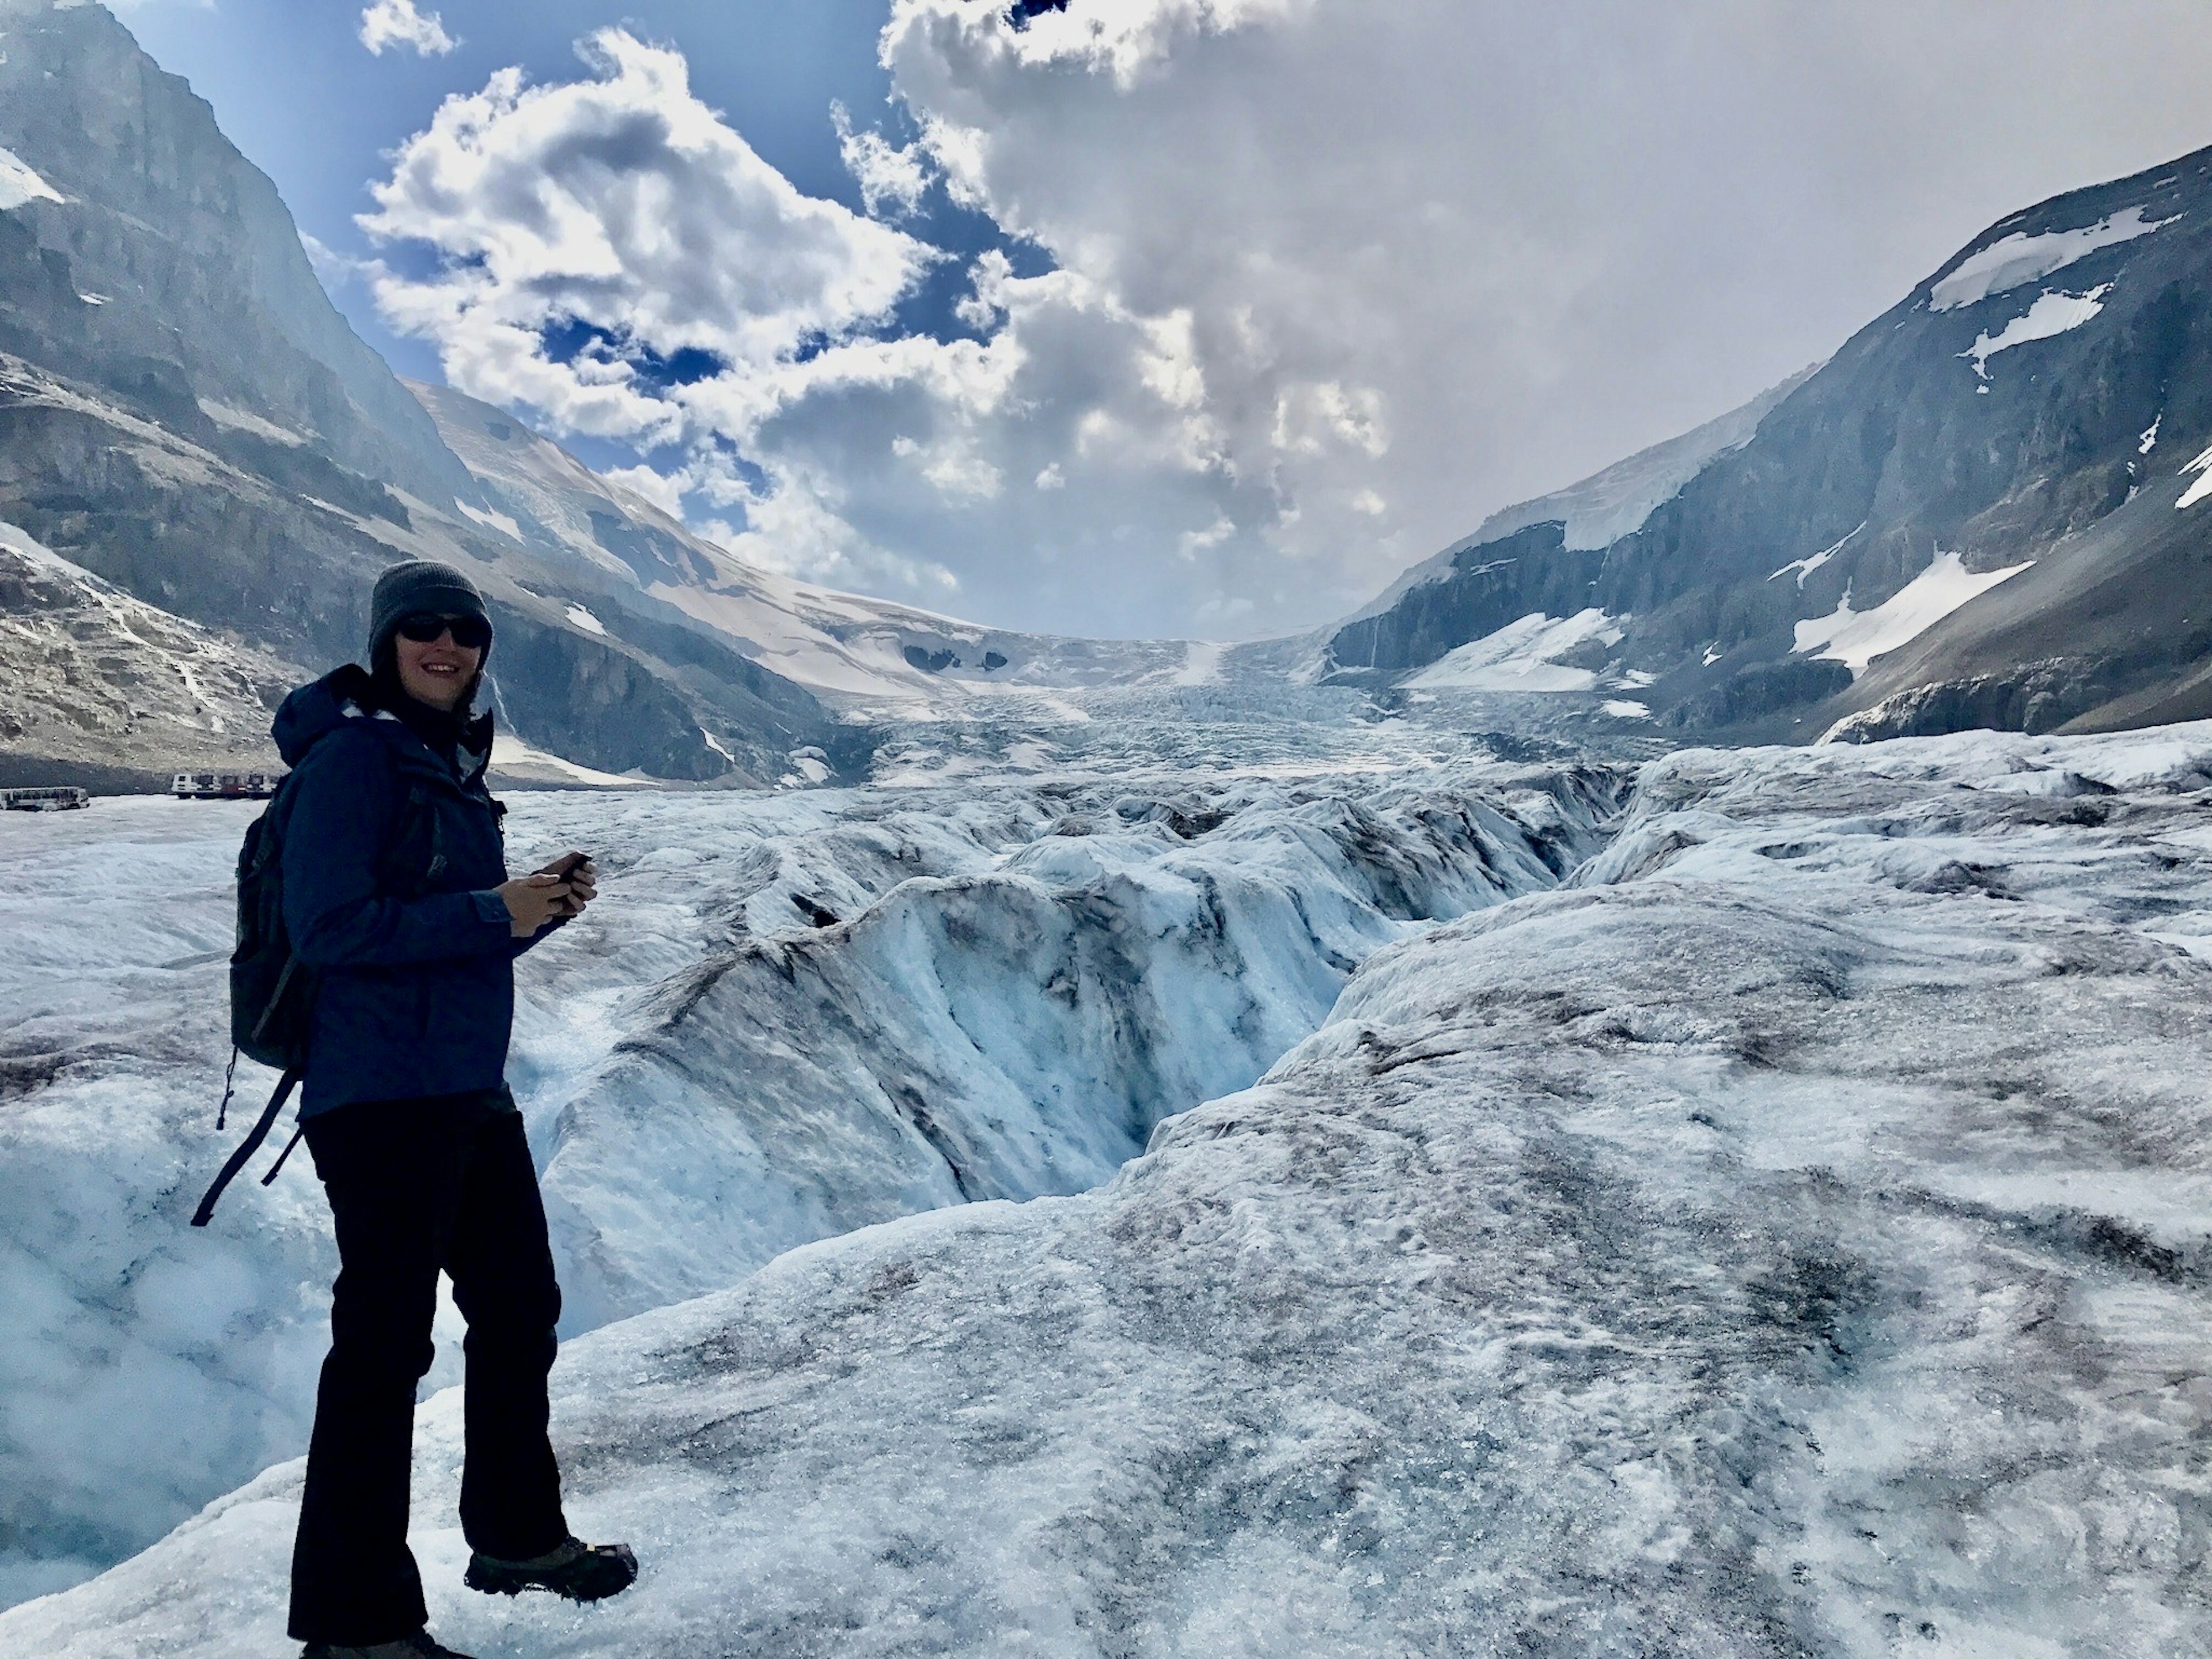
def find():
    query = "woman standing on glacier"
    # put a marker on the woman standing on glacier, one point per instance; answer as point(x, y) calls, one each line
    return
point(413, 1134)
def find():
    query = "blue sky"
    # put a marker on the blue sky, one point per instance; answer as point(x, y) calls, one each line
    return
point(295, 90)
point(1153, 317)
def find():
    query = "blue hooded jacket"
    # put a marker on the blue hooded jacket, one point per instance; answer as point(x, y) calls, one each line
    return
point(414, 948)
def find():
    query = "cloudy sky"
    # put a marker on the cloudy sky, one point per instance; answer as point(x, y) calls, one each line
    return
point(1151, 317)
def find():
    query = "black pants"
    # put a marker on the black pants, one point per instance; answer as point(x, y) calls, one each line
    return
point(415, 1185)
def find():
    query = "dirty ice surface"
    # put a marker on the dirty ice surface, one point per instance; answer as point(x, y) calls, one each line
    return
point(790, 1016)
point(1787, 1237)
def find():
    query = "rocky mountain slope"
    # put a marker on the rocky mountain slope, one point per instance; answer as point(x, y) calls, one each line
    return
point(1787, 1237)
point(1983, 510)
point(96, 685)
point(184, 414)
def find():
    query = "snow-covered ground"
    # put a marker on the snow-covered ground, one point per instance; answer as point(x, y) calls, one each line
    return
point(1788, 1235)
point(2051, 315)
point(791, 1016)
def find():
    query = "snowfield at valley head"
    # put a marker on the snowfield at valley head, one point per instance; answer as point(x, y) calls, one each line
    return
point(1787, 1236)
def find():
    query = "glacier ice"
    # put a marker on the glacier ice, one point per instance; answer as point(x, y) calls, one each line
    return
point(1788, 1236)
point(794, 1015)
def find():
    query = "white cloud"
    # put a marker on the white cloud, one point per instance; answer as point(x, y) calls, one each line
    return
point(336, 270)
point(392, 23)
point(652, 485)
point(1123, 39)
point(889, 176)
point(623, 208)
point(1392, 267)
point(1333, 280)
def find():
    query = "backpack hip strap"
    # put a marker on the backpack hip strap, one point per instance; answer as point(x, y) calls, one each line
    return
point(285, 1084)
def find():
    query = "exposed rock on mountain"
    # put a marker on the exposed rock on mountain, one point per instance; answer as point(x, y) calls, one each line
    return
point(96, 686)
point(159, 265)
point(1972, 514)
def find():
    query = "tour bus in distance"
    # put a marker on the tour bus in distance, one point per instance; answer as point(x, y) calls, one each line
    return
point(225, 786)
point(58, 798)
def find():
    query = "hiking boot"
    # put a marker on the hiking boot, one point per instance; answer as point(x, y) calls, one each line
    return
point(580, 1571)
point(420, 1645)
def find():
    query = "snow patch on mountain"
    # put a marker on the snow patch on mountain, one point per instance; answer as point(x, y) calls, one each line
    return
point(1523, 656)
point(1855, 638)
point(503, 523)
point(2202, 467)
point(20, 184)
point(515, 761)
point(2052, 315)
point(1806, 566)
point(2020, 258)
point(241, 420)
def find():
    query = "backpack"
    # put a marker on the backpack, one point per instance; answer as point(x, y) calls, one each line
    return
point(272, 992)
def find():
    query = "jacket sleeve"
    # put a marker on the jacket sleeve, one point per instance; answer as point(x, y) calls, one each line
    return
point(537, 937)
point(333, 843)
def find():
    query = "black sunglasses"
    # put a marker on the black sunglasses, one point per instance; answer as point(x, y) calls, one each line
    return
point(469, 633)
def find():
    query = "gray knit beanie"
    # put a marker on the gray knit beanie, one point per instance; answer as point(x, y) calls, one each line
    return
point(421, 586)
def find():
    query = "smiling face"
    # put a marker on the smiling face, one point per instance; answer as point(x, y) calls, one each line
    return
point(436, 672)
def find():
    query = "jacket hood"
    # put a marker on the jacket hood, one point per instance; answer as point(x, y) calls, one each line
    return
point(314, 711)
point(346, 693)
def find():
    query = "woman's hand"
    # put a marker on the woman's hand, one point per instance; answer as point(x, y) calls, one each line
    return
point(534, 899)
point(582, 877)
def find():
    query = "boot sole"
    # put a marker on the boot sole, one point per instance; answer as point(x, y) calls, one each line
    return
point(489, 1580)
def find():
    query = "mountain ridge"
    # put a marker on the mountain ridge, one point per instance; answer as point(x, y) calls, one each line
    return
point(2037, 382)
